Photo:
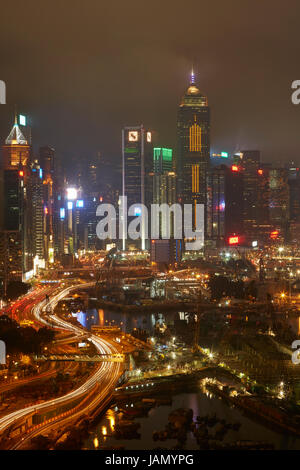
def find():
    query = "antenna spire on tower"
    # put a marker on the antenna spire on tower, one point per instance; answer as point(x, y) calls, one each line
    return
point(192, 79)
point(16, 115)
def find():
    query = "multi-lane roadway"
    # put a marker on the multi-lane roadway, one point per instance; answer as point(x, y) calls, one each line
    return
point(105, 376)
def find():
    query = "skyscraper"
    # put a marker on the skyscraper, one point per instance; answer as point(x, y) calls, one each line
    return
point(279, 199)
point(137, 164)
point(164, 182)
point(294, 203)
point(193, 151)
point(38, 212)
point(250, 162)
point(263, 227)
point(16, 207)
point(46, 157)
point(16, 150)
point(225, 204)
point(164, 192)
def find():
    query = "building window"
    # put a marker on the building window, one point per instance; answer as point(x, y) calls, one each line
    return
point(195, 138)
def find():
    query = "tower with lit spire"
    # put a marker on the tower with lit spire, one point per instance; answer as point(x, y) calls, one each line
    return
point(193, 147)
point(16, 201)
point(16, 150)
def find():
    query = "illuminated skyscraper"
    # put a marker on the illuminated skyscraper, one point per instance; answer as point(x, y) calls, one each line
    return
point(46, 159)
point(164, 192)
point(193, 152)
point(294, 203)
point(294, 190)
point(38, 213)
point(279, 199)
point(16, 150)
point(16, 207)
point(164, 182)
point(225, 204)
point(137, 166)
point(250, 162)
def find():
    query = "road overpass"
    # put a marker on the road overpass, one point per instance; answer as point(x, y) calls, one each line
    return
point(82, 358)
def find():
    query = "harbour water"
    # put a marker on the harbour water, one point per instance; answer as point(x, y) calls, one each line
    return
point(198, 401)
point(201, 404)
point(127, 322)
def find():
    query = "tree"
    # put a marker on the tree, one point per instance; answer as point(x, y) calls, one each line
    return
point(16, 288)
point(251, 289)
point(219, 287)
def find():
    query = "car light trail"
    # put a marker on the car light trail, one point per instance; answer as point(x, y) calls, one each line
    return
point(107, 372)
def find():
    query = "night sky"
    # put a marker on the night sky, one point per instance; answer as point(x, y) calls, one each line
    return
point(83, 69)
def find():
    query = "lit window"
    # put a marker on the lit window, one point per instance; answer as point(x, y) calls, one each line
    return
point(195, 138)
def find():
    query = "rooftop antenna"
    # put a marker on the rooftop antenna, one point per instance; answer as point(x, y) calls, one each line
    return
point(192, 79)
point(16, 115)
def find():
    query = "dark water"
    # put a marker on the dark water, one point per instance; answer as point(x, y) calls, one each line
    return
point(127, 321)
point(201, 405)
point(158, 417)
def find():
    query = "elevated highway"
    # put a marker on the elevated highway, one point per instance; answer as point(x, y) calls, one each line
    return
point(98, 387)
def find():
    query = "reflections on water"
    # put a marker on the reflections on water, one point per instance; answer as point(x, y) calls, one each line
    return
point(202, 405)
point(127, 321)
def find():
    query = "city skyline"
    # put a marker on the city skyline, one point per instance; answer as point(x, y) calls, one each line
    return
point(149, 228)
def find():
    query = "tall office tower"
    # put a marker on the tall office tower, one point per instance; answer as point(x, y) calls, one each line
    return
point(70, 222)
point(193, 134)
point(263, 194)
point(137, 167)
point(164, 192)
point(46, 158)
point(263, 227)
point(164, 184)
point(38, 210)
point(91, 242)
point(279, 200)
point(59, 185)
point(16, 227)
point(225, 204)
point(294, 203)
point(96, 177)
point(250, 161)
point(93, 181)
point(294, 187)
point(16, 151)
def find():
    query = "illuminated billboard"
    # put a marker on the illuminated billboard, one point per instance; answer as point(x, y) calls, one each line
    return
point(133, 136)
point(22, 120)
point(234, 240)
point(71, 194)
point(274, 235)
point(235, 168)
